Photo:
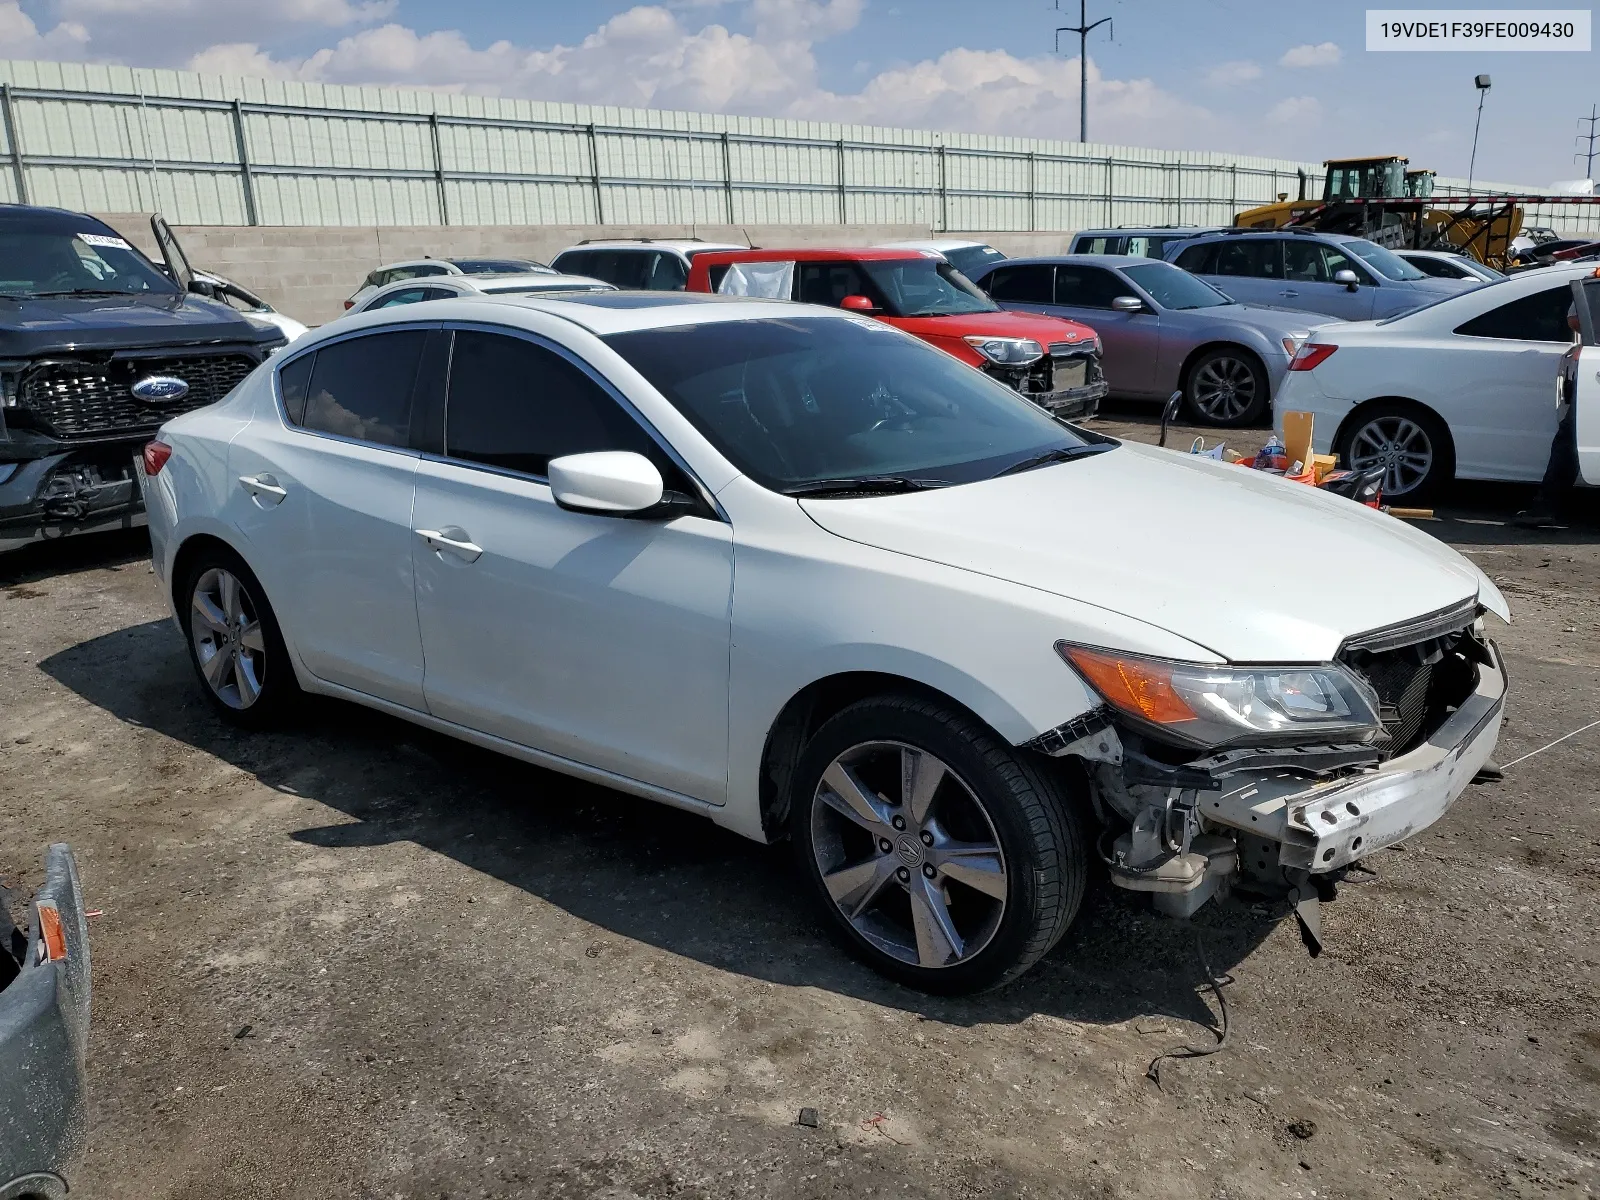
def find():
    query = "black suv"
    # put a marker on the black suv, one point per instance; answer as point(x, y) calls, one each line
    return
point(99, 346)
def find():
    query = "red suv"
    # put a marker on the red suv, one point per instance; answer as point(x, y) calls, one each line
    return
point(1054, 363)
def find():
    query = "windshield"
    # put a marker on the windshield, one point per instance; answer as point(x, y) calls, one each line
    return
point(1172, 287)
point(797, 400)
point(924, 287)
point(40, 261)
point(1385, 262)
point(972, 261)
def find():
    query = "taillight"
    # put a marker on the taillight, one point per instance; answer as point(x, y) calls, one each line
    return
point(349, 304)
point(1311, 356)
point(52, 937)
point(155, 457)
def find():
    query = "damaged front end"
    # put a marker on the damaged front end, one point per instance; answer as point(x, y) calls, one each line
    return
point(1287, 816)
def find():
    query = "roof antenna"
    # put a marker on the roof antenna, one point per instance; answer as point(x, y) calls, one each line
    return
point(748, 244)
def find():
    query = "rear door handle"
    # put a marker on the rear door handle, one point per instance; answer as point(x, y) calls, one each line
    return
point(451, 540)
point(264, 488)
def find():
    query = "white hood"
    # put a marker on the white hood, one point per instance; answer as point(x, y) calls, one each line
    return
point(1247, 565)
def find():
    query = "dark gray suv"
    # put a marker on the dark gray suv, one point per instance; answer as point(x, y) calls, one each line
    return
point(1341, 276)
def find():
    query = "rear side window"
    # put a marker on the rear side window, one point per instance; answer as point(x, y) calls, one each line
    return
point(1258, 258)
point(1541, 317)
point(1025, 285)
point(626, 268)
point(362, 388)
point(294, 381)
point(1200, 260)
point(516, 405)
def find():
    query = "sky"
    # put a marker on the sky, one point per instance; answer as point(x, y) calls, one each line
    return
point(1290, 79)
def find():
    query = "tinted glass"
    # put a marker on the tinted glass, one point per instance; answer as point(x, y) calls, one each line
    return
point(1174, 288)
point(625, 268)
point(499, 266)
point(828, 283)
point(293, 382)
point(1199, 259)
point(1438, 268)
point(516, 405)
point(405, 296)
point(667, 274)
point(1098, 245)
point(362, 388)
point(1028, 285)
point(419, 271)
point(1087, 287)
point(1541, 317)
point(972, 261)
point(1256, 257)
point(809, 398)
point(60, 256)
point(1385, 262)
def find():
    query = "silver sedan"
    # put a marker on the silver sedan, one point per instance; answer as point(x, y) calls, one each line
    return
point(1163, 330)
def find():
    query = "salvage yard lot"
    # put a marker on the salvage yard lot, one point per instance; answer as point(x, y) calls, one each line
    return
point(354, 958)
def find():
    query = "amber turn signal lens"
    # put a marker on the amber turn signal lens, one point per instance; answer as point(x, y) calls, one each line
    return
point(1137, 686)
point(51, 933)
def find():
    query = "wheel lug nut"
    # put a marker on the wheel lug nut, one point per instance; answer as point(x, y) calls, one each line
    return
point(903, 874)
point(899, 822)
point(927, 838)
point(927, 869)
point(885, 845)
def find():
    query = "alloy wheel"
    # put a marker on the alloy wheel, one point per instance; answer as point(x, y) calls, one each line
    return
point(228, 641)
point(1398, 444)
point(908, 854)
point(1224, 389)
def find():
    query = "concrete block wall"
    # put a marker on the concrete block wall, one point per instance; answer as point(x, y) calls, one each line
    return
point(308, 271)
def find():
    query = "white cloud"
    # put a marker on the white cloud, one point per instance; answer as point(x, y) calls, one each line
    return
point(1229, 74)
point(1323, 54)
point(1299, 111)
point(20, 36)
point(331, 13)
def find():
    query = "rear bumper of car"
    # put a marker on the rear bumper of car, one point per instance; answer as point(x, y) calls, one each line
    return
point(67, 492)
point(1328, 825)
point(44, 1029)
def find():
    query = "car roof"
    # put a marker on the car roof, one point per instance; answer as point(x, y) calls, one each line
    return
point(40, 217)
point(505, 279)
point(815, 254)
point(682, 246)
point(1113, 261)
point(939, 244)
point(1436, 254)
point(601, 313)
point(418, 262)
point(1133, 230)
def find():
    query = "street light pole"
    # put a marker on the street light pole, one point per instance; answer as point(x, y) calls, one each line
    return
point(1482, 83)
point(1083, 29)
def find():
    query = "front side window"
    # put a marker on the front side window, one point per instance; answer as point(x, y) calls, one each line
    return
point(667, 274)
point(516, 405)
point(1087, 287)
point(1541, 317)
point(1255, 258)
point(414, 295)
point(1029, 284)
point(925, 287)
point(798, 400)
point(361, 388)
point(1173, 288)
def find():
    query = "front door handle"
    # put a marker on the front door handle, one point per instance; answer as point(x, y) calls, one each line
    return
point(451, 540)
point(263, 488)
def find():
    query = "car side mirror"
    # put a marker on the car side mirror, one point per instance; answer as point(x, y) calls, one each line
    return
point(612, 483)
point(1347, 277)
point(1127, 304)
point(858, 304)
point(203, 287)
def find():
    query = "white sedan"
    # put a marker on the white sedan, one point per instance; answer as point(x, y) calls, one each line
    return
point(451, 287)
point(1463, 389)
point(807, 575)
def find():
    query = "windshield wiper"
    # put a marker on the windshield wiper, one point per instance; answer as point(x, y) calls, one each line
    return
point(887, 484)
point(81, 292)
point(1059, 454)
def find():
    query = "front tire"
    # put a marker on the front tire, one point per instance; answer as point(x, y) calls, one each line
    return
point(1227, 386)
point(235, 645)
point(944, 858)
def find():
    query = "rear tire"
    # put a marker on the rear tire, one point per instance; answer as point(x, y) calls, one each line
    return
point(943, 858)
point(235, 645)
point(1410, 440)
point(1227, 386)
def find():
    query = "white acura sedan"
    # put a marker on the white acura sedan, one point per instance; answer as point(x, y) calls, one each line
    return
point(1464, 388)
point(815, 579)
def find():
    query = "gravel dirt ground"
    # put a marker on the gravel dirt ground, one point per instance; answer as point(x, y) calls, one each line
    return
point(356, 959)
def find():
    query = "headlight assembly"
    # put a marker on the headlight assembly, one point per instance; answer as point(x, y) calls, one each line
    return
point(1007, 351)
point(1207, 706)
